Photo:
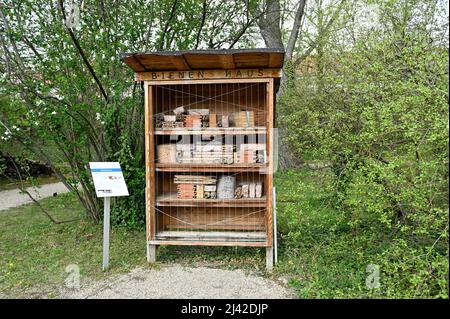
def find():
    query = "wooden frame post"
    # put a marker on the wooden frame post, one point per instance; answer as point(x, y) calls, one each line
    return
point(149, 173)
point(269, 258)
point(269, 176)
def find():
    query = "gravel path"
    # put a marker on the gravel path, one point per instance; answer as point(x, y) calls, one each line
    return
point(178, 282)
point(13, 198)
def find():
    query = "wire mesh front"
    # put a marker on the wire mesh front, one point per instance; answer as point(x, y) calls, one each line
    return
point(211, 159)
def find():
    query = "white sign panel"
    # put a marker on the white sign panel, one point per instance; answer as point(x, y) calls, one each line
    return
point(108, 179)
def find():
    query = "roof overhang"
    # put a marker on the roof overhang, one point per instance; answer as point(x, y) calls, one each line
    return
point(205, 60)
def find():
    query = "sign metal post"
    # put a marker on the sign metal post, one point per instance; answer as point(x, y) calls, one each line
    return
point(106, 223)
point(108, 182)
point(275, 240)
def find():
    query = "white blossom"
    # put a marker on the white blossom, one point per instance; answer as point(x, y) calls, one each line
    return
point(54, 113)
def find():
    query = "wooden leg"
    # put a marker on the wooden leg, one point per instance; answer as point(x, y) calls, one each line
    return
point(269, 258)
point(151, 253)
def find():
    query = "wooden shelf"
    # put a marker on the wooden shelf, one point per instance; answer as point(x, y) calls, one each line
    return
point(212, 235)
point(172, 200)
point(199, 168)
point(212, 131)
point(179, 242)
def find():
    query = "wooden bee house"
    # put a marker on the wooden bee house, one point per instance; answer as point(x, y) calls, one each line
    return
point(209, 146)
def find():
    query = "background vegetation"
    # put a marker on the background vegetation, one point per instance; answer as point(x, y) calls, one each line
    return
point(363, 109)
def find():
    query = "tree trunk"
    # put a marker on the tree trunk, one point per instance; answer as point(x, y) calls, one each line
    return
point(269, 24)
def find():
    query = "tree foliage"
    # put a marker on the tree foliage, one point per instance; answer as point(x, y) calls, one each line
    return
point(71, 100)
point(371, 101)
point(377, 112)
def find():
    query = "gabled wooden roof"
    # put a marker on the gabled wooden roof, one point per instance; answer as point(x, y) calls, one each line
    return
point(204, 59)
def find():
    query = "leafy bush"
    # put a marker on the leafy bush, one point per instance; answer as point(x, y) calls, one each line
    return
point(130, 211)
point(378, 113)
point(65, 96)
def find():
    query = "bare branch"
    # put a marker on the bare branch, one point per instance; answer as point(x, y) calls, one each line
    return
point(166, 26)
point(201, 24)
point(244, 29)
point(295, 29)
point(326, 32)
point(150, 26)
point(81, 52)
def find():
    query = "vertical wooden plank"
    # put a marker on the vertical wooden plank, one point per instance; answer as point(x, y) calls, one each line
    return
point(179, 62)
point(149, 163)
point(152, 180)
point(151, 253)
point(227, 61)
point(269, 177)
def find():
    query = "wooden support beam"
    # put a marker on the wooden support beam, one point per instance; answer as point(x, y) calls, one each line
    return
point(269, 258)
point(151, 253)
point(275, 60)
point(184, 76)
point(149, 162)
point(227, 61)
point(212, 235)
point(179, 62)
point(208, 243)
point(269, 177)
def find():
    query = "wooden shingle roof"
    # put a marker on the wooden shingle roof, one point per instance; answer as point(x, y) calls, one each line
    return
point(204, 59)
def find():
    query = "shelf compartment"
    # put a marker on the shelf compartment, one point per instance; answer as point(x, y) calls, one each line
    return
point(212, 131)
point(231, 236)
point(211, 219)
point(206, 168)
point(172, 200)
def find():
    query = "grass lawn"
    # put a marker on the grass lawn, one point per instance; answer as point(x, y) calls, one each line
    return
point(317, 252)
point(34, 253)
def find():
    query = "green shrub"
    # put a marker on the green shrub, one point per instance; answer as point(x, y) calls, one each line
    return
point(378, 113)
point(130, 210)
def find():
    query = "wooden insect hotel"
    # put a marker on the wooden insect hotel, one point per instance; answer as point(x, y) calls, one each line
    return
point(209, 118)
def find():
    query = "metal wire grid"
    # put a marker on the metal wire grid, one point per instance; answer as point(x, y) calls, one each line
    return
point(228, 99)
